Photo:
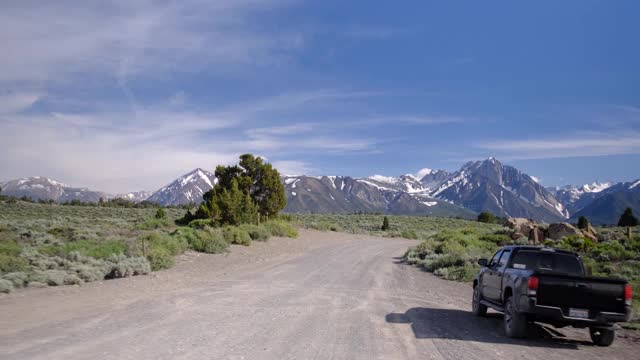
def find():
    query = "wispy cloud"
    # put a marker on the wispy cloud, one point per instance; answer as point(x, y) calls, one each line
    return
point(579, 144)
point(293, 167)
point(12, 102)
point(120, 38)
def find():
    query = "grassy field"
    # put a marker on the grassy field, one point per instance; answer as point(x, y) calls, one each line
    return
point(450, 248)
point(409, 227)
point(49, 245)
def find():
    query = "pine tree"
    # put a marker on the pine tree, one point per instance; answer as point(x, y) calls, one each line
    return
point(583, 223)
point(385, 224)
point(161, 214)
point(627, 218)
point(203, 212)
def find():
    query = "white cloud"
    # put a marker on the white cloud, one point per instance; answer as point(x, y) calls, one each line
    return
point(83, 152)
point(579, 144)
point(293, 167)
point(12, 102)
point(57, 40)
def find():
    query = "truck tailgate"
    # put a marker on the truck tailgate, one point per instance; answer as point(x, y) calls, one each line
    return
point(584, 292)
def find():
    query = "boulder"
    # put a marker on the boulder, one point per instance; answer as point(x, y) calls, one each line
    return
point(536, 236)
point(591, 233)
point(560, 230)
point(520, 225)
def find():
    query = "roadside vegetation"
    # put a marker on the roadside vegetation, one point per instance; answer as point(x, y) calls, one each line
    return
point(45, 244)
point(450, 248)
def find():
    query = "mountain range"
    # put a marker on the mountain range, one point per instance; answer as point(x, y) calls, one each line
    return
point(486, 185)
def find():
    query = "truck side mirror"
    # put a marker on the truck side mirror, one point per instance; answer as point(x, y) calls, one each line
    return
point(483, 262)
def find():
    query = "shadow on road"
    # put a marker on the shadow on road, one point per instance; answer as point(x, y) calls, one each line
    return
point(429, 323)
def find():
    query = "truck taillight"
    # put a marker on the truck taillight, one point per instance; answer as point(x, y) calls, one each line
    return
point(628, 293)
point(533, 284)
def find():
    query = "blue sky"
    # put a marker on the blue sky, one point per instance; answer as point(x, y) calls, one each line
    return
point(128, 95)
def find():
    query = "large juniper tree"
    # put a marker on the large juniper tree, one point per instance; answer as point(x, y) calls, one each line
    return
point(244, 193)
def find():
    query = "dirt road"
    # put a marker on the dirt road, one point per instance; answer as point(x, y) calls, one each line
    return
point(322, 296)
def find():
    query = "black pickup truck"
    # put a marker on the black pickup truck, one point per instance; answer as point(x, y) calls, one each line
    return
point(540, 284)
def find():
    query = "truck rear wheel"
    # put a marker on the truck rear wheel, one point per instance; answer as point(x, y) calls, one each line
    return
point(602, 337)
point(476, 308)
point(515, 323)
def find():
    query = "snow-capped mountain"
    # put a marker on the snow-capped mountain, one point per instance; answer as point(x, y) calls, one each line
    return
point(187, 189)
point(574, 198)
point(136, 196)
point(342, 194)
point(407, 183)
point(478, 186)
point(500, 189)
point(42, 188)
point(432, 179)
point(607, 205)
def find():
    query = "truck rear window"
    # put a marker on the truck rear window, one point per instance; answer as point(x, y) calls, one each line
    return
point(538, 260)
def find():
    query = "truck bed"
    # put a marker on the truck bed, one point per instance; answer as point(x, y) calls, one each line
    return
point(592, 293)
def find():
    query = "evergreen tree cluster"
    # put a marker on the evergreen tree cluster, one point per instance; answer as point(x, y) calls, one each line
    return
point(583, 223)
point(628, 219)
point(486, 217)
point(245, 193)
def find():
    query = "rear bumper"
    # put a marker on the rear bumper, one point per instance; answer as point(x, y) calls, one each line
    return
point(554, 314)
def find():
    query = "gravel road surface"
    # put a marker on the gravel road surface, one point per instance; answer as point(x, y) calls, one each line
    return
point(321, 296)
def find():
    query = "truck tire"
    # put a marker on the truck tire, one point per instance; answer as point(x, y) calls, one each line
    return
point(515, 323)
point(602, 337)
point(476, 308)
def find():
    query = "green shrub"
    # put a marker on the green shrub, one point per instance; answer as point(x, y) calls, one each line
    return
point(123, 266)
point(6, 286)
point(10, 247)
point(95, 249)
point(611, 251)
point(486, 217)
point(160, 214)
point(409, 234)
point(49, 277)
point(160, 258)
point(443, 261)
point(235, 235)
point(210, 242)
point(256, 232)
point(11, 263)
point(72, 279)
point(321, 226)
point(201, 223)
point(498, 239)
point(66, 233)
point(442, 272)
point(175, 245)
point(19, 279)
point(576, 243)
point(281, 229)
point(461, 273)
point(153, 224)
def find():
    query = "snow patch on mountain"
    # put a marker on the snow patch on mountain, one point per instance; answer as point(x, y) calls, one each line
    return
point(423, 172)
point(188, 188)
